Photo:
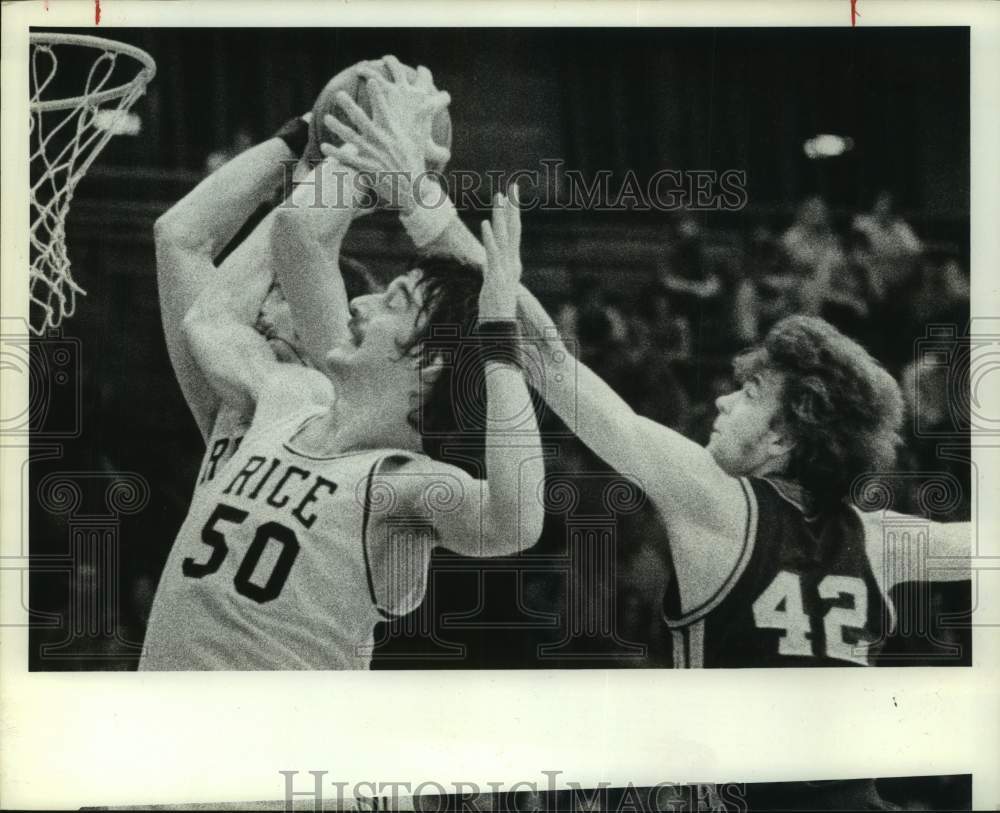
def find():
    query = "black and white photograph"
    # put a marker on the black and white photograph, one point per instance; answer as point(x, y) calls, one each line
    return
point(679, 403)
point(485, 349)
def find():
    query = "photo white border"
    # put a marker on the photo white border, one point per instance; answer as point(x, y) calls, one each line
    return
point(126, 738)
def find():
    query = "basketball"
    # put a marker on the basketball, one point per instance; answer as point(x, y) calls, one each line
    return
point(355, 87)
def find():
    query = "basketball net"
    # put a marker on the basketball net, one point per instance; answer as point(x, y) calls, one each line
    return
point(66, 135)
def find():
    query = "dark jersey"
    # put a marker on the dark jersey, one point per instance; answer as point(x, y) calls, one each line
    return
point(803, 592)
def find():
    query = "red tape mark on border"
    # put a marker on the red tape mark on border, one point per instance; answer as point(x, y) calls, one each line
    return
point(97, 11)
point(854, 12)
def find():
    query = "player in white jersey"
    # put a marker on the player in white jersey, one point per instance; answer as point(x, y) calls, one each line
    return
point(284, 560)
point(234, 194)
point(325, 517)
point(203, 226)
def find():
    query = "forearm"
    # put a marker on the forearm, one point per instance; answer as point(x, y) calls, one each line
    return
point(208, 217)
point(457, 241)
point(305, 242)
point(222, 341)
point(545, 336)
point(515, 467)
point(584, 402)
point(431, 222)
point(241, 283)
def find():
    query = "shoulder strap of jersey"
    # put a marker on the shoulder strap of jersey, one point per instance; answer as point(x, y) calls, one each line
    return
point(286, 427)
point(685, 617)
point(398, 457)
point(879, 559)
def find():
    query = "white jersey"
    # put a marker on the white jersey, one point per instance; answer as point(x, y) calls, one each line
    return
point(275, 566)
point(227, 433)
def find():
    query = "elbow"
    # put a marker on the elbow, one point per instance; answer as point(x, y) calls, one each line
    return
point(168, 229)
point(165, 225)
point(530, 510)
point(194, 323)
point(289, 224)
point(160, 228)
point(173, 231)
point(204, 316)
point(530, 528)
point(166, 239)
point(288, 238)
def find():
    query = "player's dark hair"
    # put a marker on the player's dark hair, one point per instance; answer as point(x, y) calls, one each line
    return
point(842, 409)
point(358, 280)
point(456, 400)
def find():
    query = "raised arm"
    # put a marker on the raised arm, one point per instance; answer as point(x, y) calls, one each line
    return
point(457, 241)
point(235, 359)
point(190, 235)
point(678, 474)
point(305, 241)
point(507, 517)
point(705, 511)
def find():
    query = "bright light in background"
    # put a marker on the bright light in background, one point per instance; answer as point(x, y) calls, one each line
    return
point(825, 145)
point(117, 122)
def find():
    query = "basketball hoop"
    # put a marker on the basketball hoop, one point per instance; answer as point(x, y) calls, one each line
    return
point(67, 132)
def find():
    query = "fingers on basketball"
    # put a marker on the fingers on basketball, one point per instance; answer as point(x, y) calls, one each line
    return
point(347, 135)
point(359, 117)
point(397, 70)
point(353, 82)
point(379, 104)
point(424, 78)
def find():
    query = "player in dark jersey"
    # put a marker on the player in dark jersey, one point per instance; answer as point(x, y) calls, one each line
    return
point(774, 566)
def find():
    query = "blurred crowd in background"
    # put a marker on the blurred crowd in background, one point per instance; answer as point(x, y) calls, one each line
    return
point(868, 273)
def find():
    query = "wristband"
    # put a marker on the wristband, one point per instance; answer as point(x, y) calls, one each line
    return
point(505, 328)
point(432, 213)
point(295, 133)
point(498, 341)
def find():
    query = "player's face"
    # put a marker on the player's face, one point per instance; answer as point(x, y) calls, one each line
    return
point(744, 439)
point(381, 323)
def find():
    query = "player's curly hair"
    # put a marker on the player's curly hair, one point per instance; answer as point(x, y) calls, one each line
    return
point(843, 410)
point(455, 404)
